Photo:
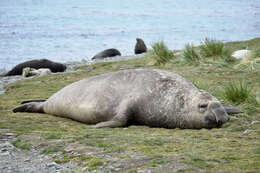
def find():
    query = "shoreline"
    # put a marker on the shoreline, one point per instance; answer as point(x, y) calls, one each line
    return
point(5, 80)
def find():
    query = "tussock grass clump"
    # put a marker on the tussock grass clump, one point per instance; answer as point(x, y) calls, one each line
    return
point(160, 53)
point(211, 47)
point(216, 49)
point(237, 93)
point(190, 55)
point(227, 56)
point(256, 53)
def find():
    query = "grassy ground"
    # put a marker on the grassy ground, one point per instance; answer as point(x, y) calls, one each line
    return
point(233, 148)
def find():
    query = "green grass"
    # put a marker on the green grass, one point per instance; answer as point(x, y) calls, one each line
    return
point(211, 47)
point(248, 44)
point(22, 145)
point(190, 55)
point(66, 158)
point(161, 54)
point(51, 149)
point(226, 55)
point(140, 146)
point(155, 163)
point(201, 84)
point(237, 92)
point(200, 162)
point(53, 136)
point(256, 52)
point(92, 161)
point(131, 171)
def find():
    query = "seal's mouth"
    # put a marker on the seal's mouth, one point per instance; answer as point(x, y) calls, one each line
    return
point(212, 122)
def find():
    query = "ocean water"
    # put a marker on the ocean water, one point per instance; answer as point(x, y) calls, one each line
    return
point(72, 30)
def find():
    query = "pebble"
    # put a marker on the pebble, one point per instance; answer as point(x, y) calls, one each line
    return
point(248, 131)
point(85, 169)
point(51, 164)
point(255, 122)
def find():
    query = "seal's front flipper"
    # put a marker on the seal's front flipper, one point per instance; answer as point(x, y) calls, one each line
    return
point(122, 117)
point(30, 107)
point(29, 101)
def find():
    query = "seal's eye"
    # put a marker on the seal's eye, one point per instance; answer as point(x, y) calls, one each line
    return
point(203, 107)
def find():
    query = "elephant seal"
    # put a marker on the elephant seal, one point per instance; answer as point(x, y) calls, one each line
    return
point(37, 64)
point(140, 47)
point(107, 53)
point(155, 98)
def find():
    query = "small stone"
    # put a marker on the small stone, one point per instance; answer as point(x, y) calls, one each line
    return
point(51, 164)
point(255, 122)
point(5, 153)
point(27, 160)
point(85, 168)
point(247, 131)
point(226, 161)
point(117, 169)
point(140, 171)
point(110, 167)
point(9, 134)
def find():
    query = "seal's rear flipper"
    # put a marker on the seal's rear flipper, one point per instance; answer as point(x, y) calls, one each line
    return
point(30, 107)
point(28, 101)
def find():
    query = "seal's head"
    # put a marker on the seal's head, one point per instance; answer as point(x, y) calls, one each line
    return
point(139, 40)
point(206, 112)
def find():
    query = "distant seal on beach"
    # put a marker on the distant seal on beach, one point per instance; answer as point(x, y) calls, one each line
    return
point(140, 46)
point(37, 64)
point(107, 53)
point(27, 72)
point(155, 98)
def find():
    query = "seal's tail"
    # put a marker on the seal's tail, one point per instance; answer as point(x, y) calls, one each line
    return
point(36, 107)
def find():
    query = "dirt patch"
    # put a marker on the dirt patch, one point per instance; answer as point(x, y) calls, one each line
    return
point(14, 159)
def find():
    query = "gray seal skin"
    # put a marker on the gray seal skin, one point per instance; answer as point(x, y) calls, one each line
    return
point(107, 53)
point(155, 98)
point(140, 46)
point(37, 64)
